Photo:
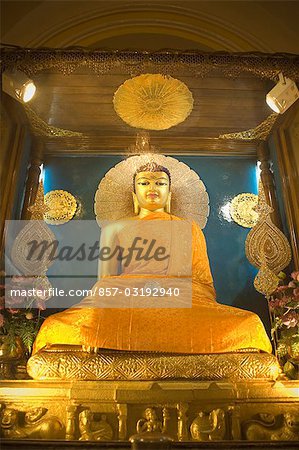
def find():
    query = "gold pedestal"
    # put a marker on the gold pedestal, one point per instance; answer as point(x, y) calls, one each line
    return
point(183, 410)
point(112, 395)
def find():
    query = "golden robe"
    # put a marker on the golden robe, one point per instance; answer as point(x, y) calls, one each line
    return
point(206, 327)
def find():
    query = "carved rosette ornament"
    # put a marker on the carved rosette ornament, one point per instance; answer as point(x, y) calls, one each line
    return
point(242, 209)
point(62, 207)
point(266, 248)
point(153, 102)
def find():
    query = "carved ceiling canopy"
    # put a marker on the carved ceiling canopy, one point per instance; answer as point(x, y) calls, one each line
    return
point(68, 60)
point(228, 90)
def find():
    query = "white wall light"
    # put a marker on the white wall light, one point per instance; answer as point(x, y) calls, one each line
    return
point(283, 95)
point(18, 85)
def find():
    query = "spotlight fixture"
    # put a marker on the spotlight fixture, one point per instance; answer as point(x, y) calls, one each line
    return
point(18, 85)
point(283, 95)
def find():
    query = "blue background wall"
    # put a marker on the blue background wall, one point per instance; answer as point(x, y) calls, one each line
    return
point(224, 177)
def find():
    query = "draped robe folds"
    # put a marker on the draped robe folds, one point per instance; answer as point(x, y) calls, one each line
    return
point(205, 327)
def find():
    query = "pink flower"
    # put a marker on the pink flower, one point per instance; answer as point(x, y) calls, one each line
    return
point(40, 304)
point(14, 300)
point(295, 275)
point(290, 319)
point(1, 320)
point(18, 279)
point(13, 311)
point(292, 284)
point(278, 302)
point(296, 292)
point(282, 288)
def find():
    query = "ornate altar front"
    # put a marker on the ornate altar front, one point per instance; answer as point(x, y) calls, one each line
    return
point(184, 408)
point(107, 396)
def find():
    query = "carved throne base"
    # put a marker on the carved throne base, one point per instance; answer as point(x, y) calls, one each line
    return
point(112, 395)
point(188, 411)
point(71, 363)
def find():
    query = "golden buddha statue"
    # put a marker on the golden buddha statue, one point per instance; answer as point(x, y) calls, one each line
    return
point(204, 327)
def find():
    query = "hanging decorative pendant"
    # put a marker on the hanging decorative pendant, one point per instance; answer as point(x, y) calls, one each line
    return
point(266, 248)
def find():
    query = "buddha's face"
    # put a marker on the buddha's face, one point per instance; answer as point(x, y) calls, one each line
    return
point(152, 190)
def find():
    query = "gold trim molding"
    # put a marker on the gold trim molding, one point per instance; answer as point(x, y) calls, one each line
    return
point(42, 128)
point(260, 133)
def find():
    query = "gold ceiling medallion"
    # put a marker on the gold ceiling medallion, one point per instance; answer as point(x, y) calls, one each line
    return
point(62, 207)
point(153, 102)
point(266, 248)
point(113, 199)
point(242, 209)
point(260, 132)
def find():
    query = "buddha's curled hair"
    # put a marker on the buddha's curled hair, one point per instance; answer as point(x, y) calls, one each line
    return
point(151, 167)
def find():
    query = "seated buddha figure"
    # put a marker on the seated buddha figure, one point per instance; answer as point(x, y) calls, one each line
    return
point(204, 327)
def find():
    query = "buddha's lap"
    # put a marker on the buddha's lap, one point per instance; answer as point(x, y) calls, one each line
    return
point(206, 327)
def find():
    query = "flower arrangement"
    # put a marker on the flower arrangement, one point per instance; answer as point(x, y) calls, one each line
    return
point(20, 313)
point(284, 309)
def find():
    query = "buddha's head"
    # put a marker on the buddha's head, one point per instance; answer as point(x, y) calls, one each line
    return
point(152, 188)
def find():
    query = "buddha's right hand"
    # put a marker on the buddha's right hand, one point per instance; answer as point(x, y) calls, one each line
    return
point(89, 349)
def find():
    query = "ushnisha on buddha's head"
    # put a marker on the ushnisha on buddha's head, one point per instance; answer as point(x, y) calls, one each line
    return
point(151, 189)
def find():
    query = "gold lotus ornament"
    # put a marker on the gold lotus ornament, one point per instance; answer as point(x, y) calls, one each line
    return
point(153, 102)
point(62, 207)
point(242, 209)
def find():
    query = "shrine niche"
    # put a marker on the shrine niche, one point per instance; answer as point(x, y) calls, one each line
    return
point(202, 165)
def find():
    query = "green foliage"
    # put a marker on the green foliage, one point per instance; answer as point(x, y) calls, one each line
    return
point(23, 324)
point(284, 308)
